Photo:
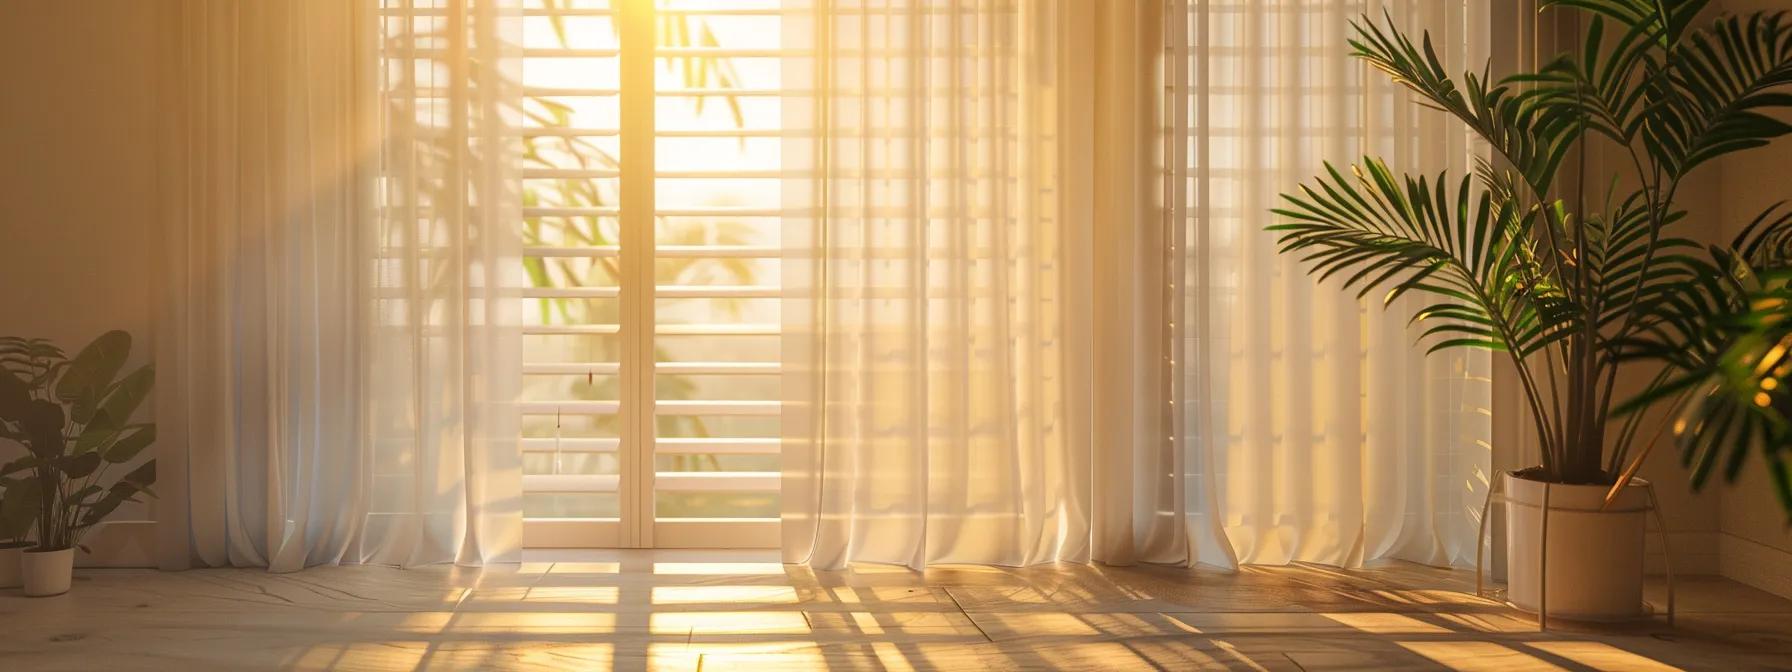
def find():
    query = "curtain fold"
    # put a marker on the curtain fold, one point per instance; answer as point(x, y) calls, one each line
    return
point(1032, 314)
point(925, 406)
point(337, 309)
point(1031, 311)
point(1323, 431)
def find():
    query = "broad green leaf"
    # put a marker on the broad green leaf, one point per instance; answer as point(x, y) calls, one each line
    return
point(42, 426)
point(74, 467)
point(98, 433)
point(142, 477)
point(84, 406)
point(131, 444)
point(95, 366)
point(90, 514)
point(81, 496)
point(26, 463)
point(128, 394)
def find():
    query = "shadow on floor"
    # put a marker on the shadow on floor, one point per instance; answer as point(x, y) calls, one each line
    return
point(681, 610)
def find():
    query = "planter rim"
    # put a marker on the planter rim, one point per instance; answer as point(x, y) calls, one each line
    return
point(1579, 498)
point(1635, 481)
point(40, 549)
point(10, 545)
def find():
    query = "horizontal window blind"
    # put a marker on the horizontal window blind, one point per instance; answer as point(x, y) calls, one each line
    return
point(651, 207)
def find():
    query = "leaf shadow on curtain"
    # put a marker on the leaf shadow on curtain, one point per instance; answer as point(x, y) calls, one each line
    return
point(1031, 314)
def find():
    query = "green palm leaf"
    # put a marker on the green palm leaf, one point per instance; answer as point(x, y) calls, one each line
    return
point(1716, 88)
point(1373, 230)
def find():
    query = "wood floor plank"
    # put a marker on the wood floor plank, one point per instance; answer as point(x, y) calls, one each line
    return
point(652, 610)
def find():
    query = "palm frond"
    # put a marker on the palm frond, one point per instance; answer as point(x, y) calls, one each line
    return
point(1667, 20)
point(1532, 137)
point(1716, 89)
point(1601, 85)
point(1373, 230)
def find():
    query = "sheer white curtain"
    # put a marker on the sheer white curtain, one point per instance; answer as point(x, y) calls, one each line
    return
point(1032, 314)
point(929, 414)
point(336, 349)
point(1314, 428)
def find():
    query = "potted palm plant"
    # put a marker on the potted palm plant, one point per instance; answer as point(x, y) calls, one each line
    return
point(73, 416)
point(1576, 278)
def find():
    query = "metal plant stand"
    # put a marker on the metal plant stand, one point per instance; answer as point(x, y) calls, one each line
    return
point(1496, 490)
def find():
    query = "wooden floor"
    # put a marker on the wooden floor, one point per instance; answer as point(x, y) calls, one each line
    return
point(686, 610)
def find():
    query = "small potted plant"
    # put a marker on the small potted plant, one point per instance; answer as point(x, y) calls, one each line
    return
point(73, 416)
point(31, 361)
point(18, 508)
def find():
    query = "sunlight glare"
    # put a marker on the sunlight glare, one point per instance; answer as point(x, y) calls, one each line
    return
point(1387, 624)
point(731, 622)
point(578, 594)
point(720, 568)
point(390, 655)
point(1477, 656)
point(891, 657)
point(867, 623)
point(586, 568)
point(554, 622)
point(1489, 622)
point(724, 595)
point(1601, 656)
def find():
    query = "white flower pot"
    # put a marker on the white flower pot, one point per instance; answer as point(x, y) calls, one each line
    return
point(1595, 563)
point(48, 573)
point(11, 556)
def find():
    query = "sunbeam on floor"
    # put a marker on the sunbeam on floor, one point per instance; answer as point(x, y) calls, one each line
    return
point(688, 610)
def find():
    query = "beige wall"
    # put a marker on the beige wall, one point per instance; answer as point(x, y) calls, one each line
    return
point(78, 227)
point(1691, 517)
point(1756, 542)
point(77, 181)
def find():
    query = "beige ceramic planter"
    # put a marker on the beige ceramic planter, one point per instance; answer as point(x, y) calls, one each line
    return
point(1595, 563)
point(11, 557)
point(47, 573)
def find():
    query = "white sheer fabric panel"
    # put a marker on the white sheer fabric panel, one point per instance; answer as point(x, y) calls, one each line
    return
point(445, 331)
point(926, 396)
point(1316, 429)
point(336, 350)
point(1033, 313)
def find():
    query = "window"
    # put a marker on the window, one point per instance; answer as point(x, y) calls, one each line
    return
point(651, 195)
